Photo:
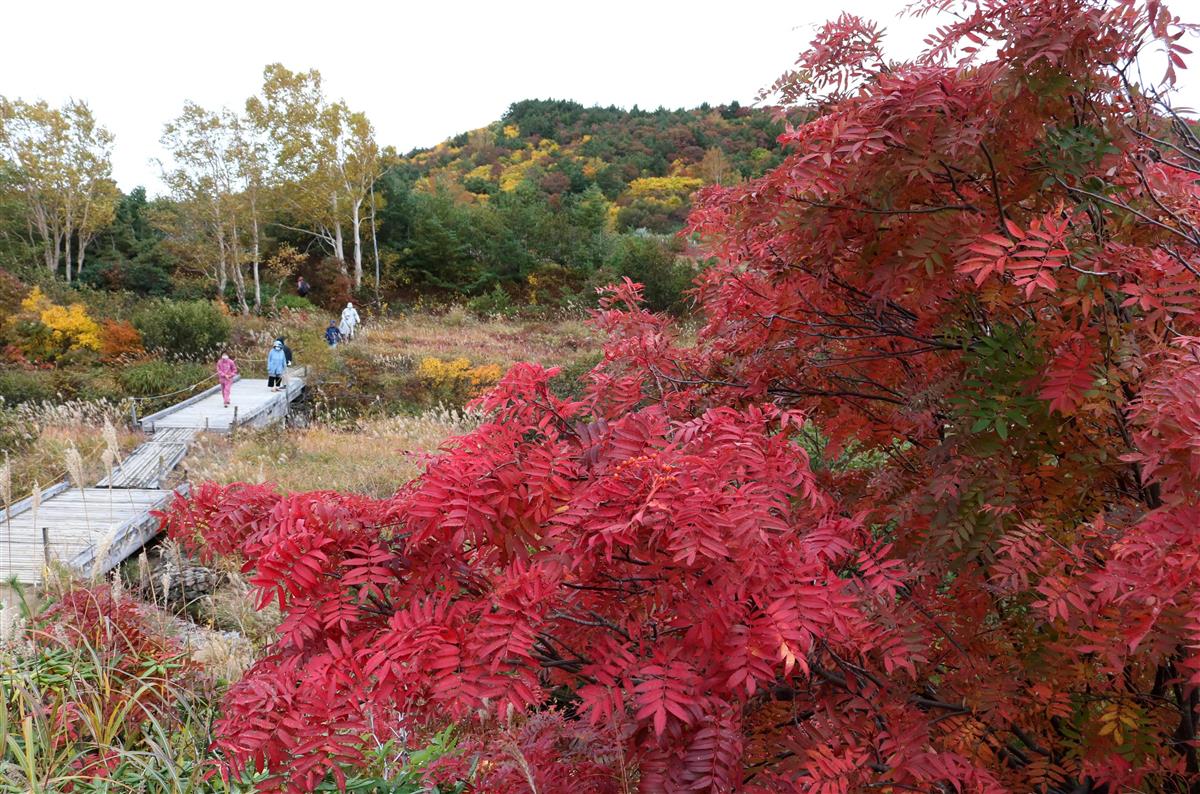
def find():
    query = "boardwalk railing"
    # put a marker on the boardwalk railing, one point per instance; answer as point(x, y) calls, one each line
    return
point(147, 422)
point(93, 529)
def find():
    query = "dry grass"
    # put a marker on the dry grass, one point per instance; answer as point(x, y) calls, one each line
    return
point(224, 656)
point(374, 457)
point(232, 607)
point(449, 334)
point(43, 436)
point(457, 333)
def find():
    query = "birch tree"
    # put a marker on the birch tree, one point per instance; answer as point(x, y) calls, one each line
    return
point(250, 155)
point(325, 159)
point(204, 179)
point(59, 163)
point(357, 164)
point(290, 112)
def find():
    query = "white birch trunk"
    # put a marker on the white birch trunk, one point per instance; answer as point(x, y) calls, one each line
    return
point(57, 247)
point(239, 280)
point(84, 237)
point(339, 247)
point(49, 249)
point(356, 220)
point(374, 241)
point(67, 249)
point(222, 272)
point(257, 282)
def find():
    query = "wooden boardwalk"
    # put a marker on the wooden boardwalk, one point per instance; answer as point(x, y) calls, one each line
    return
point(80, 525)
point(92, 530)
point(151, 462)
point(251, 404)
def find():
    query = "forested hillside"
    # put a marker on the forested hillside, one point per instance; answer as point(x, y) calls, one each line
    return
point(646, 163)
point(555, 194)
point(536, 209)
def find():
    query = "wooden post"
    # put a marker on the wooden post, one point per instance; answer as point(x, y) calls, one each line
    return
point(160, 469)
point(206, 424)
point(235, 413)
point(133, 412)
point(46, 544)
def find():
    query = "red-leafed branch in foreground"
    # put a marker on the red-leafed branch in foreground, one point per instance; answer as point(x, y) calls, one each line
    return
point(970, 293)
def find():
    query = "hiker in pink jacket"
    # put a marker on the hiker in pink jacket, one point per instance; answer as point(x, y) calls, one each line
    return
point(226, 371)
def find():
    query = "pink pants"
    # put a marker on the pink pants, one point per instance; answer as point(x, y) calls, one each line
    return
point(226, 386)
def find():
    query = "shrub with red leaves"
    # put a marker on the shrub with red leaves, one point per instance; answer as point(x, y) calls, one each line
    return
point(98, 675)
point(119, 339)
point(140, 663)
point(915, 512)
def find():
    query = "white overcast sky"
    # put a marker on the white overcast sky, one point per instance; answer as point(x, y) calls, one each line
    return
point(421, 71)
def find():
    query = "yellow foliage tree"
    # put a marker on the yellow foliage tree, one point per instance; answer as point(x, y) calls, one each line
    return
point(664, 188)
point(70, 328)
point(716, 168)
point(455, 379)
point(35, 303)
point(522, 162)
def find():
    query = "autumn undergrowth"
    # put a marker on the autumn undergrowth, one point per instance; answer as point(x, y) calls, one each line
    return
point(96, 695)
point(35, 438)
point(94, 700)
point(374, 456)
point(85, 712)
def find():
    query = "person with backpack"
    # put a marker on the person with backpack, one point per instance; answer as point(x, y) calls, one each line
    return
point(276, 366)
point(287, 351)
point(302, 287)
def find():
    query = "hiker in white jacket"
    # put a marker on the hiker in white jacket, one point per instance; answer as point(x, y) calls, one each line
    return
point(350, 321)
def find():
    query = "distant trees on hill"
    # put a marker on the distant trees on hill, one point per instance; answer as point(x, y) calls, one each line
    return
point(544, 194)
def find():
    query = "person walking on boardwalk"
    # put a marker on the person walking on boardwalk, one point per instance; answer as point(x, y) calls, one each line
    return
point(276, 366)
point(226, 371)
point(287, 351)
point(350, 320)
point(333, 334)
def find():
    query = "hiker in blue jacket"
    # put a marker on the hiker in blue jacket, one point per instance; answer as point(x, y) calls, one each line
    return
point(276, 365)
point(333, 334)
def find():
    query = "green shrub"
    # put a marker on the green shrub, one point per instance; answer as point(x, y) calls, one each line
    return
point(496, 303)
point(20, 386)
point(34, 339)
point(651, 262)
point(286, 301)
point(182, 329)
point(160, 377)
point(84, 384)
point(569, 383)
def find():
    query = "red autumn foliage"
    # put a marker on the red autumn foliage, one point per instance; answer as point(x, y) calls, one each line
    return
point(125, 673)
point(916, 511)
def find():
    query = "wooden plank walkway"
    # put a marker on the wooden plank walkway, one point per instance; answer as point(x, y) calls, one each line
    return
point(251, 404)
point(79, 524)
point(94, 529)
point(151, 462)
